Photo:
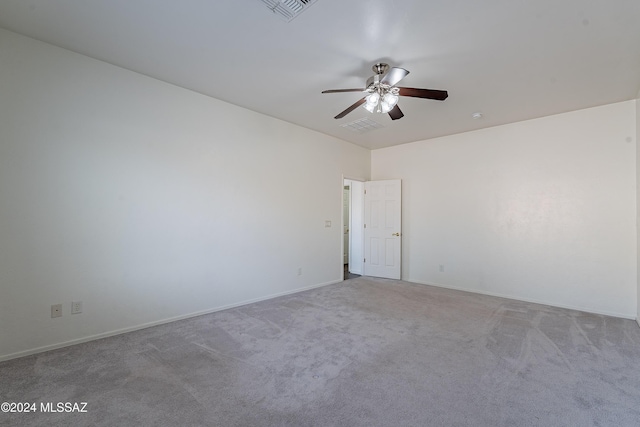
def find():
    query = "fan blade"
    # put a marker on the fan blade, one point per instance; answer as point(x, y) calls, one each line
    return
point(350, 109)
point(438, 95)
point(396, 113)
point(342, 90)
point(394, 76)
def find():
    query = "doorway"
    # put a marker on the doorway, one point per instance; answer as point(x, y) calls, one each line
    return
point(372, 228)
point(352, 228)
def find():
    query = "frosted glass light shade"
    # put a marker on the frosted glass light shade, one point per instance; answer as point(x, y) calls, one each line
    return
point(388, 102)
point(373, 98)
point(372, 102)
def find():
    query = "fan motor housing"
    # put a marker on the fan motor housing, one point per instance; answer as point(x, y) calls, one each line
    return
point(373, 82)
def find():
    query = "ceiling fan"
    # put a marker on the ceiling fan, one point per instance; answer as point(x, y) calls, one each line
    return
point(382, 92)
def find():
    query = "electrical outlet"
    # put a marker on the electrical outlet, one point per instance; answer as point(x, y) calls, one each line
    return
point(56, 310)
point(441, 268)
point(299, 271)
point(76, 307)
point(327, 223)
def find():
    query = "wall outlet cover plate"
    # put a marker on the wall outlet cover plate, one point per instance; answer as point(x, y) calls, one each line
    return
point(56, 310)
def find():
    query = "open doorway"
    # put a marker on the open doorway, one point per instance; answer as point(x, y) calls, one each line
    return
point(352, 228)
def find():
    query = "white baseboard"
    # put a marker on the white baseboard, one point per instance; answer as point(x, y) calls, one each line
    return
point(534, 301)
point(155, 323)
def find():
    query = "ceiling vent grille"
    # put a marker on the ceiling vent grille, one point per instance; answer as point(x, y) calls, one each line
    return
point(363, 125)
point(288, 9)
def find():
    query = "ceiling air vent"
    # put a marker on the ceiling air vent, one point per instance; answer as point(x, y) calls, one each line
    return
point(363, 125)
point(288, 9)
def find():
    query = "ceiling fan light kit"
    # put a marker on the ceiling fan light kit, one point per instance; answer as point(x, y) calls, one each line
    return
point(380, 103)
point(383, 93)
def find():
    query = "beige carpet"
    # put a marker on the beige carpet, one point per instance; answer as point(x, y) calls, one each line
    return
point(365, 352)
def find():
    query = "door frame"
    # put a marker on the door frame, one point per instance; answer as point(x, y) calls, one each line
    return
point(354, 243)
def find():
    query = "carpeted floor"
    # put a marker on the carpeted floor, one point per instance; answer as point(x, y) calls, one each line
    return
point(365, 352)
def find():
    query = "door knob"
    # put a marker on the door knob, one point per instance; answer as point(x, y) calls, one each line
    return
point(396, 234)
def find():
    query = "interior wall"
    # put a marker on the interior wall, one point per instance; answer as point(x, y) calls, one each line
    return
point(542, 210)
point(149, 202)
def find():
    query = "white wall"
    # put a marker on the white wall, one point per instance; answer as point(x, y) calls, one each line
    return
point(542, 210)
point(149, 202)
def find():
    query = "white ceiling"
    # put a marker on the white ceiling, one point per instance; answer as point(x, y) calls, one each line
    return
point(511, 60)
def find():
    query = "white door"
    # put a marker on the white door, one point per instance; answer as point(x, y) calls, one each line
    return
point(382, 228)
